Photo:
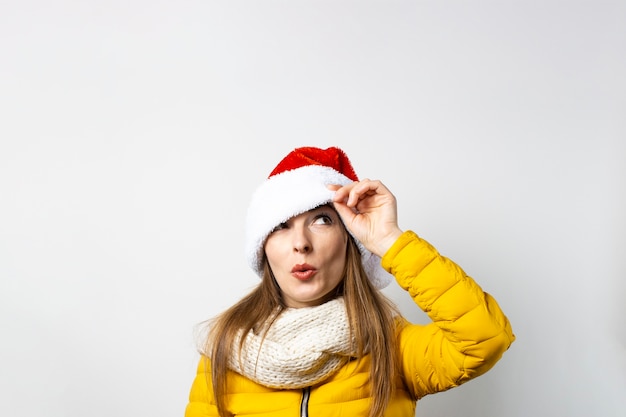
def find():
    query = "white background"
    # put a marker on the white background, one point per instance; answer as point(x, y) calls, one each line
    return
point(132, 134)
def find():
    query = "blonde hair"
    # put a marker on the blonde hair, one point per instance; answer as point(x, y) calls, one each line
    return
point(370, 313)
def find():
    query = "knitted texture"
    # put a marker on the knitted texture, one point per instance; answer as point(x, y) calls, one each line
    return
point(303, 346)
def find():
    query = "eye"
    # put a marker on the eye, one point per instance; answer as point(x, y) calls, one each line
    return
point(280, 226)
point(323, 219)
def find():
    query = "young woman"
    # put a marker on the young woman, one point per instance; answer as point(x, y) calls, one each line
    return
point(317, 337)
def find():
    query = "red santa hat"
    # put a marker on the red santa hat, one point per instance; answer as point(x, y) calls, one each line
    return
point(296, 185)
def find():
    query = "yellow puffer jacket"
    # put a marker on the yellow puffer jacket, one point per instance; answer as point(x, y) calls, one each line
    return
point(467, 336)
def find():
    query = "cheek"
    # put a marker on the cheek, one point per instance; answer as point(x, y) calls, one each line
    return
point(270, 254)
point(339, 251)
point(274, 249)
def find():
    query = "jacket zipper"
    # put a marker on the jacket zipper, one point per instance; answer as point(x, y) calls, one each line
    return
point(304, 405)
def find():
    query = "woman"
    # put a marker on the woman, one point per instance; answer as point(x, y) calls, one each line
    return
point(317, 337)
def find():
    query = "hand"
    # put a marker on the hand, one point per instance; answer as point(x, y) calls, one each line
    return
point(369, 211)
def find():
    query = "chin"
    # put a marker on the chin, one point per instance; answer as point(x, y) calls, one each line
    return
point(304, 301)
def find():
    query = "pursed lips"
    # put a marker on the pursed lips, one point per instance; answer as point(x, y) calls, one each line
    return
point(303, 272)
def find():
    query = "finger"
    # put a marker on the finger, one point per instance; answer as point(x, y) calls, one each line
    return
point(341, 192)
point(361, 191)
point(346, 213)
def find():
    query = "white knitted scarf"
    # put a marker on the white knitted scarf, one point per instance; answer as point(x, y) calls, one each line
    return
point(302, 347)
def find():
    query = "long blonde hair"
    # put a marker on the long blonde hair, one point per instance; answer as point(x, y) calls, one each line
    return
point(370, 313)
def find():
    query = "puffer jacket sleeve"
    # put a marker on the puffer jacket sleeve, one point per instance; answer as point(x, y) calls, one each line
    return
point(201, 403)
point(469, 332)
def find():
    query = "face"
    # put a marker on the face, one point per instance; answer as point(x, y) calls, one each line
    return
point(307, 255)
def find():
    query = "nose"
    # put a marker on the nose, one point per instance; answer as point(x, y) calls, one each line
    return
point(301, 240)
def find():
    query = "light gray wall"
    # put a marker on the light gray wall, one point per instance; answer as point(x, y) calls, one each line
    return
point(132, 134)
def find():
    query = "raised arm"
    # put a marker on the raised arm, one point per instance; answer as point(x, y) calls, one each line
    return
point(469, 332)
